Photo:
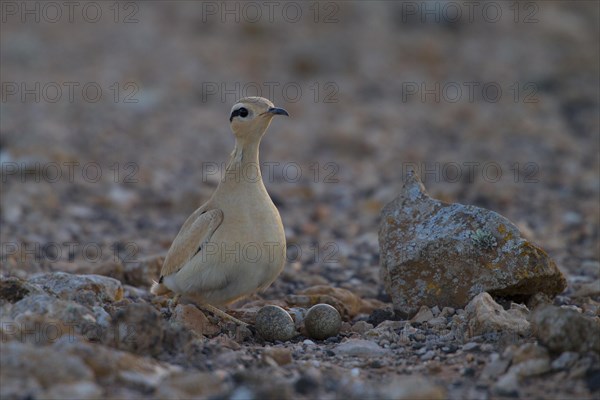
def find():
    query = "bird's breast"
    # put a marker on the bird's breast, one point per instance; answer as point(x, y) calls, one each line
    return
point(251, 225)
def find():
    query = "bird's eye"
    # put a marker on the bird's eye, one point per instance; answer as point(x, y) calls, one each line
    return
point(243, 112)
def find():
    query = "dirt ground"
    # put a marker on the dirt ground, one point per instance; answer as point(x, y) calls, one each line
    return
point(114, 128)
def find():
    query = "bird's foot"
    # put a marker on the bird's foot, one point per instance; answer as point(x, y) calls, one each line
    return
point(174, 301)
point(222, 314)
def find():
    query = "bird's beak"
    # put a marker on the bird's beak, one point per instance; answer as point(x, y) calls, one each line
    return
point(277, 111)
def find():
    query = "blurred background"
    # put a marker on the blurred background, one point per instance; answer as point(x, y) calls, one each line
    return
point(114, 123)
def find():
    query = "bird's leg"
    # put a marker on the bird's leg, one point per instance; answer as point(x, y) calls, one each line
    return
point(222, 314)
point(174, 301)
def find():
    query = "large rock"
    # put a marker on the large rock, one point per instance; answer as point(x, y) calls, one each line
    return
point(561, 330)
point(435, 253)
point(27, 371)
point(84, 289)
point(44, 319)
point(74, 368)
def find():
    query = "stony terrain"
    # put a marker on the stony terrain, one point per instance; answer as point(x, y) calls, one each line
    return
point(496, 112)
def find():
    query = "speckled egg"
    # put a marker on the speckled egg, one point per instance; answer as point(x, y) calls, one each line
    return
point(274, 323)
point(322, 321)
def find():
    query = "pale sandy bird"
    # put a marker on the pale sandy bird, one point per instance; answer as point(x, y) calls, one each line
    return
point(234, 244)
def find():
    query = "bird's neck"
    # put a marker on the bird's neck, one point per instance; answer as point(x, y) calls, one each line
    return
point(243, 164)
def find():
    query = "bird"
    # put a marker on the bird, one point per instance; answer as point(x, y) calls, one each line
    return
point(234, 244)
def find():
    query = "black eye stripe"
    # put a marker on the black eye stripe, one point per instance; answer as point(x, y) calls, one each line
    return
point(242, 112)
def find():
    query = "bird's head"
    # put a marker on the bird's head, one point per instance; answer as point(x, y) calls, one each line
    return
point(251, 116)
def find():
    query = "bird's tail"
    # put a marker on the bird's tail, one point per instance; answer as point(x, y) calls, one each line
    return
point(159, 289)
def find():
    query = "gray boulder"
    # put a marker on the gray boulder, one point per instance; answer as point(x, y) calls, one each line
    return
point(439, 254)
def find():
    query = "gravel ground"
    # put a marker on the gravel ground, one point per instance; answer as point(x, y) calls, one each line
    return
point(114, 127)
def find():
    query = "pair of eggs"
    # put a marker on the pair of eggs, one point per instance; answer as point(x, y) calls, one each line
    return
point(321, 322)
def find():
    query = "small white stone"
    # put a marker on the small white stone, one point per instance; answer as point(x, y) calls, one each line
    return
point(360, 348)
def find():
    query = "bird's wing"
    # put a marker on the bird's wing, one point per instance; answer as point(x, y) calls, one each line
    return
point(196, 231)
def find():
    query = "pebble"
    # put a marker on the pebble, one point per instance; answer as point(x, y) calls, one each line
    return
point(528, 351)
point(447, 312)
point(484, 315)
point(471, 346)
point(487, 347)
point(562, 330)
point(450, 349)
point(322, 321)
point(77, 390)
point(274, 323)
point(379, 316)
point(428, 355)
point(413, 387)
point(138, 328)
point(530, 360)
point(507, 385)
point(44, 365)
point(282, 356)
point(307, 382)
point(565, 360)
point(361, 327)
point(437, 322)
point(192, 318)
point(419, 337)
point(496, 367)
point(360, 348)
point(242, 393)
point(423, 315)
point(534, 367)
point(588, 289)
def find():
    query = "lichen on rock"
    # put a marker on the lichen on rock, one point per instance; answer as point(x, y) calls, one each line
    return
point(436, 253)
